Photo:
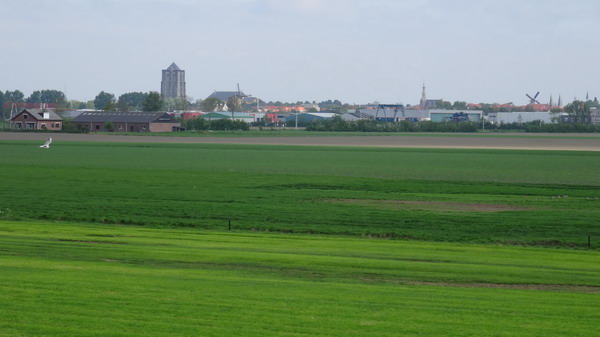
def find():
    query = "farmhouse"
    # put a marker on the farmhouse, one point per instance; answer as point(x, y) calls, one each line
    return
point(37, 119)
point(103, 121)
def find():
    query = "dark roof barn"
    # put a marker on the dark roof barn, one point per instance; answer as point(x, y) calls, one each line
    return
point(156, 121)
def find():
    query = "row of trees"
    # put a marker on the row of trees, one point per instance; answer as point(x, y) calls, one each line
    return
point(150, 101)
point(225, 124)
point(338, 124)
point(39, 96)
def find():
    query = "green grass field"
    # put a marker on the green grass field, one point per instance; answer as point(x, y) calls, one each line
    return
point(522, 197)
point(105, 280)
point(100, 239)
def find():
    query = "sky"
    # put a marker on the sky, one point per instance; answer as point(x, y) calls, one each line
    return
point(357, 51)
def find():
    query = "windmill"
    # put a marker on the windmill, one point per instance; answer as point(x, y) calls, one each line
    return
point(533, 100)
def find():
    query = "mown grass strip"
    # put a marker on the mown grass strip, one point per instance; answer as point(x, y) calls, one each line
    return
point(90, 280)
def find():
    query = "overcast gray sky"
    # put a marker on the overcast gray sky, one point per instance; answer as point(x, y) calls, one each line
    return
point(289, 50)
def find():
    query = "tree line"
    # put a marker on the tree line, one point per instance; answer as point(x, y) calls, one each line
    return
point(150, 101)
point(224, 124)
point(578, 124)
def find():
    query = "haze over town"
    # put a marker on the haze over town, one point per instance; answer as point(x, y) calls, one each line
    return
point(354, 51)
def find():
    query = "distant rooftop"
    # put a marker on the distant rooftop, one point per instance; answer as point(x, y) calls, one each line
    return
point(173, 67)
point(225, 95)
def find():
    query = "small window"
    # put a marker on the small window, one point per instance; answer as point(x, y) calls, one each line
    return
point(97, 126)
point(25, 116)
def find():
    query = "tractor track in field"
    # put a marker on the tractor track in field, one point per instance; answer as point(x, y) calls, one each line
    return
point(542, 287)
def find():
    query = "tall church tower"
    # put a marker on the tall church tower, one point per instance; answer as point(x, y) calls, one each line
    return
point(423, 102)
point(173, 82)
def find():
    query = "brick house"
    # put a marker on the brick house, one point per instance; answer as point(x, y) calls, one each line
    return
point(37, 119)
point(127, 121)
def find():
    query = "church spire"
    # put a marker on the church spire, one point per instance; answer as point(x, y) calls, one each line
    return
point(423, 102)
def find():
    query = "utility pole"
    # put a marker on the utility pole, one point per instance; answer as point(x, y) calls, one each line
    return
point(482, 122)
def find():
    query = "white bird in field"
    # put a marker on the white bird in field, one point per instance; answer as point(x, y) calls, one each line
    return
point(47, 144)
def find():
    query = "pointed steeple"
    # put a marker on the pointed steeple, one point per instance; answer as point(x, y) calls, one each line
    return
point(173, 66)
point(559, 101)
point(587, 96)
point(423, 102)
point(551, 103)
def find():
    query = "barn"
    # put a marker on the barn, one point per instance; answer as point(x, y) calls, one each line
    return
point(106, 121)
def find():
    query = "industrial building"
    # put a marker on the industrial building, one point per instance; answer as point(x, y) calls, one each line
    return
point(103, 121)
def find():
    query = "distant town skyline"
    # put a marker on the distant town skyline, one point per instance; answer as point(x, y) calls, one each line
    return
point(307, 50)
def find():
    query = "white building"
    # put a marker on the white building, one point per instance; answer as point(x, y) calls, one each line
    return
point(520, 117)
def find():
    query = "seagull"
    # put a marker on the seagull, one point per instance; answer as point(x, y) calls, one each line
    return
point(47, 143)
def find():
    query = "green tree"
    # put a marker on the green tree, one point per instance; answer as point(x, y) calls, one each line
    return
point(9, 98)
point(176, 104)
point(579, 112)
point(14, 96)
point(444, 105)
point(35, 97)
point(196, 105)
point(459, 105)
point(111, 106)
point(168, 103)
point(2, 99)
point(122, 105)
point(103, 99)
point(196, 124)
point(108, 126)
point(47, 96)
point(53, 96)
point(133, 100)
point(234, 103)
point(181, 104)
point(210, 104)
point(153, 102)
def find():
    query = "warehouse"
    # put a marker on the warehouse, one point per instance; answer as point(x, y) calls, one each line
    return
point(106, 121)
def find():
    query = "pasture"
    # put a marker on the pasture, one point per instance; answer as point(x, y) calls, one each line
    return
point(131, 239)
point(482, 196)
point(59, 279)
